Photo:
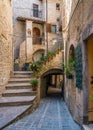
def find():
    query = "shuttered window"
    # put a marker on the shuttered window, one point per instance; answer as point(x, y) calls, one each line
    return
point(53, 28)
point(48, 27)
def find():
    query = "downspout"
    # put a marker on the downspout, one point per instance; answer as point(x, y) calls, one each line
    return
point(46, 26)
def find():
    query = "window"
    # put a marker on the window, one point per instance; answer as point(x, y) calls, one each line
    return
point(53, 28)
point(35, 10)
point(57, 6)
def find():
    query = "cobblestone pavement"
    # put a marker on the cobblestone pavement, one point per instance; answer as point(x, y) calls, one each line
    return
point(52, 114)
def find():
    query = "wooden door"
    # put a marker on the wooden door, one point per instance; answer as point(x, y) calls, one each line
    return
point(90, 77)
point(36, 35)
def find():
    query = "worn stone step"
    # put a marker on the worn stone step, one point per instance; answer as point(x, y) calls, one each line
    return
point(22, 76)
point(88, 127)
point(23, 72)
point(18, 92)
point(19, 80)
point(9, 114)
point(18, 86)
point(16, 101)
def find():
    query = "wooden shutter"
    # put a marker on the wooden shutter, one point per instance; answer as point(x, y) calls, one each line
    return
point(48, 27)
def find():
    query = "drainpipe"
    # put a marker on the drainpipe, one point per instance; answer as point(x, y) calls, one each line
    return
point(46, 23)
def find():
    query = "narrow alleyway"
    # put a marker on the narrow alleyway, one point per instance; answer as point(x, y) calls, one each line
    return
point(52, 114)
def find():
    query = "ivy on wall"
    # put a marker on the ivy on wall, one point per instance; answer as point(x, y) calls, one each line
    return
point(78, 66)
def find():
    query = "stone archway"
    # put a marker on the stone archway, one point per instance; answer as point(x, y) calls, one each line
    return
point(72, 86)
point(72, 52)
point(51, 79)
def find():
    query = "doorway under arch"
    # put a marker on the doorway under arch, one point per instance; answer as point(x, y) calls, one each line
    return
point(51, 83)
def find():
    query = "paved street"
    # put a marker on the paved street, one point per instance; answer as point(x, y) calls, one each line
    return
point(52, 114)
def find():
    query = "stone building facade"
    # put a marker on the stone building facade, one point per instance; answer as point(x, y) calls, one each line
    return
point(78, 38)
point(5, 42)
point(36, 28)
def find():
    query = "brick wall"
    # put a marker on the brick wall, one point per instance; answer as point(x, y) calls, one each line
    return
point(5, 42)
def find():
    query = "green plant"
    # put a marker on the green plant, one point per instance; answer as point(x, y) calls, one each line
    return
point(34, 84)
point(58, 49)
point(69, 69)
point(35, 66)
point(50, 54)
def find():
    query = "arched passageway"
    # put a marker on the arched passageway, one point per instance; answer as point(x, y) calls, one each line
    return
point(52, 83)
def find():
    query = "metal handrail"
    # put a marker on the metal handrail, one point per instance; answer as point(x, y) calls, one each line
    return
point(38, 40)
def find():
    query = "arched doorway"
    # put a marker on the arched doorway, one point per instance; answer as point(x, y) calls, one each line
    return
point(36, 35)
point(72, 52)
point(71, 84)
point(90, 78)
point(51, 83)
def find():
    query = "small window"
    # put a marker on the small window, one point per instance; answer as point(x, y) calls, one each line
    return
point(53, 28)
point(35, 10)
point(57, 6)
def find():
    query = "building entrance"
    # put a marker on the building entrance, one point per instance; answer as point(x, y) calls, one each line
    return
point(90, 78)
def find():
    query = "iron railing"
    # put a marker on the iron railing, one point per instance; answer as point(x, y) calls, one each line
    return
point(38, 40)
point(36, 13)
point(30, 13)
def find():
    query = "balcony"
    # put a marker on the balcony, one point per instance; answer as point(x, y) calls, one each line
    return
point(38, 40)
point(38, 43)
point(36, 14)
point(31, 14)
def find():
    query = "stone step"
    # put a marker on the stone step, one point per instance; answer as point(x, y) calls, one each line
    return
point(23, 72)
point(19, 80)
point(88, 127)
point(21, 76)
point(9, 114)
point(19, 92)
point(18, 86)
point(16, 101)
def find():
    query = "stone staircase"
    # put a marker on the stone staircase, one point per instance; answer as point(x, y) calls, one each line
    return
point(18, 99)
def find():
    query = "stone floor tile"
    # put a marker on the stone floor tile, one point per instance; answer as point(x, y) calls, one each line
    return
point(52, 114)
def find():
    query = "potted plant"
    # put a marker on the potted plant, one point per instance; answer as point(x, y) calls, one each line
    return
point(58, 50)
point(69, 69)
point(35, 66)
point(34, 84)
point(50, 55)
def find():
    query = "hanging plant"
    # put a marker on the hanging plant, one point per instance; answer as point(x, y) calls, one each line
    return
point(69, 69)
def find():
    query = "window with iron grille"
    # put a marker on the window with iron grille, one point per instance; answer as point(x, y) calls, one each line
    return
point(35, 10)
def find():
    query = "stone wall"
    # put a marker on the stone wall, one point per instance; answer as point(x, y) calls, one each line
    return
point(52, 15)
point(80, 20)
point(6, 50)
